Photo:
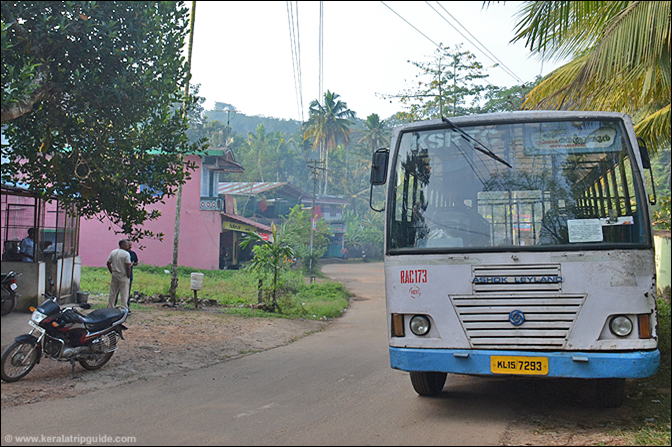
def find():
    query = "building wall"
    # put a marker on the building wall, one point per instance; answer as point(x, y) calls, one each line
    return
point(199, 233)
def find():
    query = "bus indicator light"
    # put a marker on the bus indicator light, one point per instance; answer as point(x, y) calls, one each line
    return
point(398, 325)
point(644, 327)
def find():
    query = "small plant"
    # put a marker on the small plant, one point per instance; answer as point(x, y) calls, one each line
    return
point(270, 256)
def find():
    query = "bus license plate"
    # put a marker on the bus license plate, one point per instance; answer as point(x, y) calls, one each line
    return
point(519, 365)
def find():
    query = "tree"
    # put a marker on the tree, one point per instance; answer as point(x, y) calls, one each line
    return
point(448, 86)
point(270, 256)
point(506, 99)
point(92, 104)
point(300, 223)
point(619, 59)
point(328, 125)
point(375, 133)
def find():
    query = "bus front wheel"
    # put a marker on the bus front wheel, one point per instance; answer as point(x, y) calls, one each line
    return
point(428, 383)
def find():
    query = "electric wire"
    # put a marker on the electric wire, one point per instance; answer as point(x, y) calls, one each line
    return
point(298, 52)
point(484, 48)
point(424, 35)
point(409, 23)
point(296, 55)
point(321, 54)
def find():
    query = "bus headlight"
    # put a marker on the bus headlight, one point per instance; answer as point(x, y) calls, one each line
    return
point(419, 325)
point(621, 325)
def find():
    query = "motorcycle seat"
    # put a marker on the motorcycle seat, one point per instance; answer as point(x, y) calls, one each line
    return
point(102, 318)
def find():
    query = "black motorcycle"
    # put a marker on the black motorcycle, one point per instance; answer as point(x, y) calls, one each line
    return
point(66, 335)
point(9, 292)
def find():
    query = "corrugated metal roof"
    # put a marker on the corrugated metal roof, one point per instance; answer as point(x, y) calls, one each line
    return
point(253, 188)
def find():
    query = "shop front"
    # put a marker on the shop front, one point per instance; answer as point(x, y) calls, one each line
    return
point(234, 228)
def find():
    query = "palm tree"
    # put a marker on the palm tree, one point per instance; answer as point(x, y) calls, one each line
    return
point(620, 59)
point(328, 125)
point(375, 132)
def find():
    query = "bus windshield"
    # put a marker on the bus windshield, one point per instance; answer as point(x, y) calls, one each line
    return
point(545, 185)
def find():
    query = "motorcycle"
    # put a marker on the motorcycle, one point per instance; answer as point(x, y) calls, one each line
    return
point(9, 293)
point(66, 335)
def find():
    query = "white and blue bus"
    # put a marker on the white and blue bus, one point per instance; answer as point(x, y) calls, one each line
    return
point(519, 244)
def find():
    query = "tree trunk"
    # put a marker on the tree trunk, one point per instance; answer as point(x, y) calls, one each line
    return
point(178, 206)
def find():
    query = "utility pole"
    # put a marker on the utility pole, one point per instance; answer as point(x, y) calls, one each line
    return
point(315, 169)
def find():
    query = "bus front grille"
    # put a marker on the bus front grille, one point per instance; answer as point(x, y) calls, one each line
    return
point(517, 322)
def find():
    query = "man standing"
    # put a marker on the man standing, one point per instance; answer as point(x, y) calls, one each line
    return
point(119, 264)
point(27, 250)
point(134, 262)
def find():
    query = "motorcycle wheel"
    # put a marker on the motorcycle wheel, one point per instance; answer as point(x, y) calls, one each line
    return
point(97, 363)
point(8, 302)
point(17, 361)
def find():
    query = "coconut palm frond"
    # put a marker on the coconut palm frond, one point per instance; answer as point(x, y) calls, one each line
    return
point(559, 29)
point(639, 36)
point(655, 129)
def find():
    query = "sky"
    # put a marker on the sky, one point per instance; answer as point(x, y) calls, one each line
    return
point(242, 52)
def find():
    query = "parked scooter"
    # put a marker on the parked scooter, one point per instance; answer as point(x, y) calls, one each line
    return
point(64, 335)
point(9, 292)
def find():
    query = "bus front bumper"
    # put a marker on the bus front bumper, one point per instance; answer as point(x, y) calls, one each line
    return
point(585, 365)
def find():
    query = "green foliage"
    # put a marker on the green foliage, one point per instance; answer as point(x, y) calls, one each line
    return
point(270, 257)
point(661, 217)
point(506, 99)
point(660, 164)
point(327, 299)
point(328, 125)
point(650, 400)
point(619, 59)
point(236, 290)
point(365, 233)
point(447, 87)
point(299, 225)
point(376, 133)
point(100, 124)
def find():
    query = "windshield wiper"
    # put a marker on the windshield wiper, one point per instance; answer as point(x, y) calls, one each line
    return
point(480, 147)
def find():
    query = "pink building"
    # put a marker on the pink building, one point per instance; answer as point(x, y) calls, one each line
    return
point(201, 229)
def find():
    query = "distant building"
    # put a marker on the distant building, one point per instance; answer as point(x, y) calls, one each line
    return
point(215, 216)
point(271, 202)
point(200, 222)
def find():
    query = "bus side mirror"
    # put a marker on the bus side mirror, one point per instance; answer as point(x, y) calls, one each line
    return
point(644, 153)
point(379, 166)
point(646, 164)
point(378, 172)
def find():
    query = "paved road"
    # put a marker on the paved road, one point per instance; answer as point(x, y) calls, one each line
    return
point(331, 388)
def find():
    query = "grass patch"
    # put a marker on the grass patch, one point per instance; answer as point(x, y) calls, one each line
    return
point(650, 397)
point(236, 290)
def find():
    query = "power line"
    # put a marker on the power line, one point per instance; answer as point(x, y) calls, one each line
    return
point(484, 48)
point(437, 45)
point(504, 67)
point(321, 53)
point(409, 23)
point(296, 55)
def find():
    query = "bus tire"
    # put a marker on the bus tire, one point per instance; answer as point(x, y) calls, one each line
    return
point(610, 392)
point(428, 383)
